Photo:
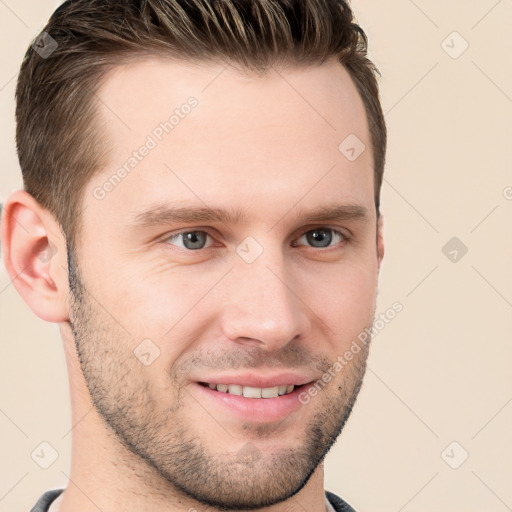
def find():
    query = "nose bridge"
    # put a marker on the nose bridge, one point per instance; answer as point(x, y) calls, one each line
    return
point(261, 305)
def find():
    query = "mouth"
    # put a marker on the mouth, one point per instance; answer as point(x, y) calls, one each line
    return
point(259, 397)
point(252, 391)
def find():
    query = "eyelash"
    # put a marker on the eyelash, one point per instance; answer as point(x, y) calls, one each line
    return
point(344, 238)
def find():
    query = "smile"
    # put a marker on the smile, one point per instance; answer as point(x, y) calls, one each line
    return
point(250, 391)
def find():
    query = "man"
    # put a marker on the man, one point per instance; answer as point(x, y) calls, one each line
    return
point(200, 217)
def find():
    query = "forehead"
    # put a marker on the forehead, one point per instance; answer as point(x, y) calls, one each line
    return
point(204, 130)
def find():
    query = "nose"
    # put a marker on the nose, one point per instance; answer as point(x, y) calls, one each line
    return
point(263, 306)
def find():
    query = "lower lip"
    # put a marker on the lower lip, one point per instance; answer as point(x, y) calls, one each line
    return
point(258, 410)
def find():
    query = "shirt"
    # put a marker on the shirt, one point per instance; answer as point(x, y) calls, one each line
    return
point(50, 502)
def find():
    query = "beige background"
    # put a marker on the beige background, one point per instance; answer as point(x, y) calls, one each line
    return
point(441, 370)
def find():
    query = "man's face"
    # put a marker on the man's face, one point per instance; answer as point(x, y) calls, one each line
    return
point(239, 249)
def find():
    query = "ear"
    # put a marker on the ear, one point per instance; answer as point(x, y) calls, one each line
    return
point(380, 240)
point(35, 256)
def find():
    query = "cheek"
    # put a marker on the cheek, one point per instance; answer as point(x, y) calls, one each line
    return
point(343, 298)
point(168, 306)
point(174, 305)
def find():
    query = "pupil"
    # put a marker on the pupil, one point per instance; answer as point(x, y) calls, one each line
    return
point(194, 240)
point(320, 237)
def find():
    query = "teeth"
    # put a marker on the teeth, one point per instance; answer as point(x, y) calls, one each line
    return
point(270, 392)
point(252, 392)
point(235, 389)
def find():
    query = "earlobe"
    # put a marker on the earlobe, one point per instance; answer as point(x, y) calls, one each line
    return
point(31, 243)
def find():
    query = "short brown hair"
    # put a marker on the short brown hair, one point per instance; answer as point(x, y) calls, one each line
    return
point(60, 146)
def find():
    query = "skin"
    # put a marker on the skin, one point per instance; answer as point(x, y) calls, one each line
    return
point(144, 437)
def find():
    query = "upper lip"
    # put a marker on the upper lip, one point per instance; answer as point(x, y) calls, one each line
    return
point(259, 381)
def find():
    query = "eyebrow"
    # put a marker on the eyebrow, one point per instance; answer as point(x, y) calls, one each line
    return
point(163, 214)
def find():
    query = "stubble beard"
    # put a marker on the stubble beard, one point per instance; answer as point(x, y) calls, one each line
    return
point(166, 446)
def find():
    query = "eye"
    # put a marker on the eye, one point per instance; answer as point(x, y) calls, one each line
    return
point(321, 237)
point(190, 240)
